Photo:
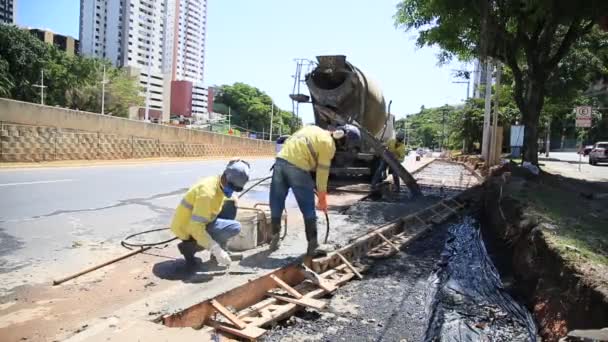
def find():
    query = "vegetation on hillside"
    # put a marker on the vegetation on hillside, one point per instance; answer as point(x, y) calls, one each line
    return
point(251, 109)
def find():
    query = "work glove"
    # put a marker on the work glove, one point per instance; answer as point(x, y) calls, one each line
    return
point(322, 204)
point(222, 257)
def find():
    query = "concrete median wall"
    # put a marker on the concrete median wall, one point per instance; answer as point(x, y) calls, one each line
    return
point(30, 132)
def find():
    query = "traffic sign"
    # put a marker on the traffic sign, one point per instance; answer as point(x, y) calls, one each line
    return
point(583, 111)
point(583, 116)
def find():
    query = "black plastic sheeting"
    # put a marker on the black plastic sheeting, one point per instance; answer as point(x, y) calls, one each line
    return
point(466, 300)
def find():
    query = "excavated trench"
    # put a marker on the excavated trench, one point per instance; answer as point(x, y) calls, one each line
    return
point(444, 286)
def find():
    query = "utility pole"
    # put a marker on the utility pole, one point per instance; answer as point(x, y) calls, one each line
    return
point(548, 141)
point(485, 144)
point(229, 115)
point(103, 89)
point(271, 118)
point(494, 155)
point(445, 108)
point(41, 86)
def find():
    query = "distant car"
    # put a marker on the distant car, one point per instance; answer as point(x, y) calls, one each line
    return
point(586, 150)
point(599, 153)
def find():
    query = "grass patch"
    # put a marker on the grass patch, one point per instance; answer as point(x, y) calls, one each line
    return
point(581, 224)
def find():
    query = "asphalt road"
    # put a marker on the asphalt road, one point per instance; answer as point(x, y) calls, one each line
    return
point(54, 220)
point(567, 164)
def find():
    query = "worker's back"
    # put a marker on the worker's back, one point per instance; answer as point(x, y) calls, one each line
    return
point(297, 149)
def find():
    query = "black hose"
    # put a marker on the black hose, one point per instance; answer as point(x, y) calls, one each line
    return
point(130, 245)
point(327, 228)
point(253, 186)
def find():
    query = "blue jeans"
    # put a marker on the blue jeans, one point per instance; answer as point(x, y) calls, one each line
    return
point(222, 229)
point(224, 226)
point(287, 176)
point(382, 169)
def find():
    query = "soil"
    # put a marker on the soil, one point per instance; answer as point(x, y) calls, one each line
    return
point(557, 267)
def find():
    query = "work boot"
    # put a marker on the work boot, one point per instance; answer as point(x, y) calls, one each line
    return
point(188, 249)
point(314, 249)
point(275, 237)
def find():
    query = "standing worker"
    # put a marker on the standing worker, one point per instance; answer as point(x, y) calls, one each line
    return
point(205, 218)
point(310, 149)
point(396, 146)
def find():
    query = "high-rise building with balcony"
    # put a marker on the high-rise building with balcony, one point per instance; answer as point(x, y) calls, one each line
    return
point(8, 8)
point(160, 40)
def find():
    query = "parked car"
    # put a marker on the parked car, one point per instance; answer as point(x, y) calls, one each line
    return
point(599, 153)
point(585, 151)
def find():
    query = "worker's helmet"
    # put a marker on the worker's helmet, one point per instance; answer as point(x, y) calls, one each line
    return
point(400, 136)
point(237, 174)
point(350, 132)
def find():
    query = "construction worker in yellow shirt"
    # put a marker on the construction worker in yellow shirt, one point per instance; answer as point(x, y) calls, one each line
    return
point(203, 221)
point(310, 149)
point(397, 147)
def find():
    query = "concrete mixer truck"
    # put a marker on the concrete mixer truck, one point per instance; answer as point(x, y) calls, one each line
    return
point(341, 93)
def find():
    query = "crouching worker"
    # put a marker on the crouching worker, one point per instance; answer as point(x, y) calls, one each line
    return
point(397, 147)
point(205, 218)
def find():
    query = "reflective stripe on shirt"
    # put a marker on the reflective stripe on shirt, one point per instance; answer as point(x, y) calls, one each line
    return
point(186, 204)
point(199, 219)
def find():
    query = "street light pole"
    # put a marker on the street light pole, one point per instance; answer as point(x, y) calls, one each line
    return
point(103, 90)
point(271, 118)
point(41, 86)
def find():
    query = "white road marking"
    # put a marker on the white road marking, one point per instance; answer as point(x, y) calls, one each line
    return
point(174, 172)
point(38, 182)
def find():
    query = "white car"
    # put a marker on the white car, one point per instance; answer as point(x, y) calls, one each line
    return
point(599, 153)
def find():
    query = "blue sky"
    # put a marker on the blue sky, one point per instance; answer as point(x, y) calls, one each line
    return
point(256, 41)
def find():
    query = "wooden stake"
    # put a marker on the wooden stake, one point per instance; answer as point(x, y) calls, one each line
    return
point(388, 241)
point(349, 265)
point(304, 301)
point(286, 286)
point(250, 332)
point(229, 315)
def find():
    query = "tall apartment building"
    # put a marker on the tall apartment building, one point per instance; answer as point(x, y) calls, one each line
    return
point(185, 61)
point(8, 9)
point(129, 33)
point(159, 40)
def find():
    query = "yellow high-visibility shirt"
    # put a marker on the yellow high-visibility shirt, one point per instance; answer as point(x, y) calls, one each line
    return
point(311, 148)
point(396, 148)
point(201, 205)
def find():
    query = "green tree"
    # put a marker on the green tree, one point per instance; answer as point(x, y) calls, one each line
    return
point(122, 93)
point(531, 37)
point(71, 81)
point(23, 57)
point(250, 108)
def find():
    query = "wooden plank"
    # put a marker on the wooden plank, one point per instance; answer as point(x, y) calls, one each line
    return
point(450, 208)
point(388, 241)
point(286, 287)
point(304, 301)
point(349, 265)
point(229, 315)
point(250, 332)
point(319, 281)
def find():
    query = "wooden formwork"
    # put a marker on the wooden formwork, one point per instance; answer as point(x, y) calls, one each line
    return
point(245, 310)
